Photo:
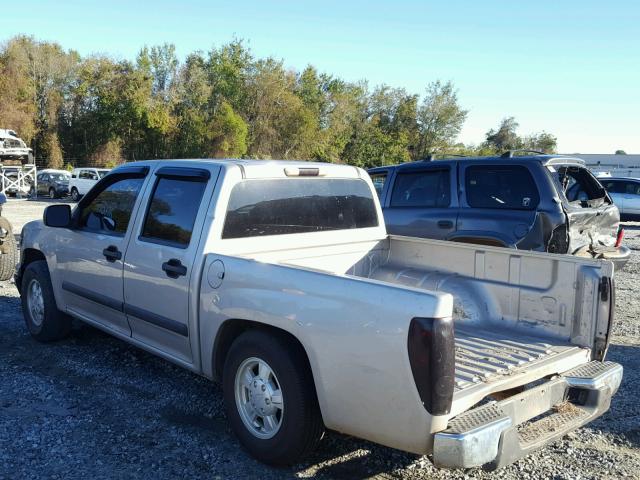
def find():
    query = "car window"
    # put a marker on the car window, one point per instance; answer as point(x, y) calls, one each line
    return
point(172, 211)
point(102, 173)
point(613, 186)
point(286, 206)
point(378, 180)
point(631, 188)
point(579, 186)
point(427, 189)
point(501, 186)
point(110, 210)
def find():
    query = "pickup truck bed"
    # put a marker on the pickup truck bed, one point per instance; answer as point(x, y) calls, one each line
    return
point(515, 319)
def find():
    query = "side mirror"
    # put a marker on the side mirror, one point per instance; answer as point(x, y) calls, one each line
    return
point(57, 216)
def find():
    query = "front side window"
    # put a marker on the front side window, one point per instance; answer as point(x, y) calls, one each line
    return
point(378, 180)
point(172, 211)
point(501, 186)
point(285, 206)
point(110, 210)
point(426, 189)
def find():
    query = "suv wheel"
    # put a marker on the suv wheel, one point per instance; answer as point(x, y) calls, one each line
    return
point(45, 322)
point(52, 193)
point(75, 195)
point(270, 398)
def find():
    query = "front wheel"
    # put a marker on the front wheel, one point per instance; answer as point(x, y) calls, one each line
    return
point(45, 322)
point(270, 398)
point(75, 195)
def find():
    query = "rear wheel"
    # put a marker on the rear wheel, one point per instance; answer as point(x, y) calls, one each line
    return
point(45, 322)
point(270, 398)
point(52, 193)
point(8, 251)
point(75, 195)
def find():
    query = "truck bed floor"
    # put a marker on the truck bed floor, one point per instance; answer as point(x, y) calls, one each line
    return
point(485, 357)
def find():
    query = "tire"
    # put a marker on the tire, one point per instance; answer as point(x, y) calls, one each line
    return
point(8, 252)
point(75, 195)
point(33, 193)
point(52, 193)
point(52, 324)
point(300, 426)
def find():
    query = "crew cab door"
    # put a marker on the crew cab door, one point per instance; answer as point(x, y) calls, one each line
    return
point(90, 255)
point(158, 272)
point(422, 203)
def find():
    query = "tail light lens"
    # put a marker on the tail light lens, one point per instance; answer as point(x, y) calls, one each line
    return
point(431, 348)
point(620, 237)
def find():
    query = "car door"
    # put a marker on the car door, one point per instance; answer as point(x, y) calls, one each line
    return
point(498, 203)
point(422, 203)
point(616, 190)
point(90, 255)
point(160, 258)
point(43, 184)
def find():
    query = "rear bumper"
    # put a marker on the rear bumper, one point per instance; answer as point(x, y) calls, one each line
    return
point(499, 433)
point(619, 257)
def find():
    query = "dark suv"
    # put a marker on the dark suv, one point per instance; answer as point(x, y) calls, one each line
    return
point(543, 202)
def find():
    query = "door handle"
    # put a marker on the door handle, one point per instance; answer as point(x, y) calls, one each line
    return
point(445, 224)
point(112, 253)
point(174, 268)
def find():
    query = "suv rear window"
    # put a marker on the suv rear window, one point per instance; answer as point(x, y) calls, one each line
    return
point(284, 206)
point(501, 186)
point(428, 189)
point(579, 186)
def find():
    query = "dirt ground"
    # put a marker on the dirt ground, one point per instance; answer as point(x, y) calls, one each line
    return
point(94, 406)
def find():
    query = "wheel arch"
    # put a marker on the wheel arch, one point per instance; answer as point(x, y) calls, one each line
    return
point(29, 255)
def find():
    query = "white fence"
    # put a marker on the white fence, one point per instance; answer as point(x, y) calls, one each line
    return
point(18, 180)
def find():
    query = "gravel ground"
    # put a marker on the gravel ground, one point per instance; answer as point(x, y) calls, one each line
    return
point(94, 406)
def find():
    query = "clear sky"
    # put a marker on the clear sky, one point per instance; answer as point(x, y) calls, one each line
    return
point(569, 67)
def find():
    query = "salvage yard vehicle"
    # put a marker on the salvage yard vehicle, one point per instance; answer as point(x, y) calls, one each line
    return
point(13, 147)
point(82, 179)
point(8, 248)
point(279, 279)
point(545, 203)
point(625, 193)
point(54, 183)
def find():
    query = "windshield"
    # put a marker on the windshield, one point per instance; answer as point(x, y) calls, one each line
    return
point(284, 206)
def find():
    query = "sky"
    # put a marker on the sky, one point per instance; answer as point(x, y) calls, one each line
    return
point(569, 67)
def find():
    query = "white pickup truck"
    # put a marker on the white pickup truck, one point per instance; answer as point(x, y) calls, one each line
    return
point(279, 279)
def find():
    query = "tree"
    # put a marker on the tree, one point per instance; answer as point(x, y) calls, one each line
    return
point(541, 142)
point(52, 151)
point(505, 138)
point(440, 119)
point(229, 132)
point(620, 152)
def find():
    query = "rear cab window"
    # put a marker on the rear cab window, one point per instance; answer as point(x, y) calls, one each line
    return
point(379, 179)
point(425, 189)
point(263, 207)
point(507, 187)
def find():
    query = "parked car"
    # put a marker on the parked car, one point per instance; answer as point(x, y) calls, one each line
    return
point(82, 179)
point(279, 279)
point(54, 183)
point(8, 248)
point(625, 193)
point(544, 203)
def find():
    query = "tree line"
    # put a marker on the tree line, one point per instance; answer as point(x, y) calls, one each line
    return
point(223, 103)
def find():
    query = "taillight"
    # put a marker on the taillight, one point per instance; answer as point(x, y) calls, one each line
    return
point(431, 348)
point(620, 237)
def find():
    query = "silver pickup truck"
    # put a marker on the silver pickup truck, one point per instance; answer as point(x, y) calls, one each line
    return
point(279, 280)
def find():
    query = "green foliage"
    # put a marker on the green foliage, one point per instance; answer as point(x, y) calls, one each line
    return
point(620, 152)
point(222, 103)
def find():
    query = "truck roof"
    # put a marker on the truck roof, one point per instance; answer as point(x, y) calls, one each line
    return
point(266, 168)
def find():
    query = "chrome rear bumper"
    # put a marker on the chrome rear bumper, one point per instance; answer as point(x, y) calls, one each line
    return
point(499, 433)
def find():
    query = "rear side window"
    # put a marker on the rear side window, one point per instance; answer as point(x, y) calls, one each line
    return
point(579, 186)
point(110, 211)
point(285, 206)
point(172, 211)
point(617, 186)
point(501, 186)
point(427, 189)
point(378, 180)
